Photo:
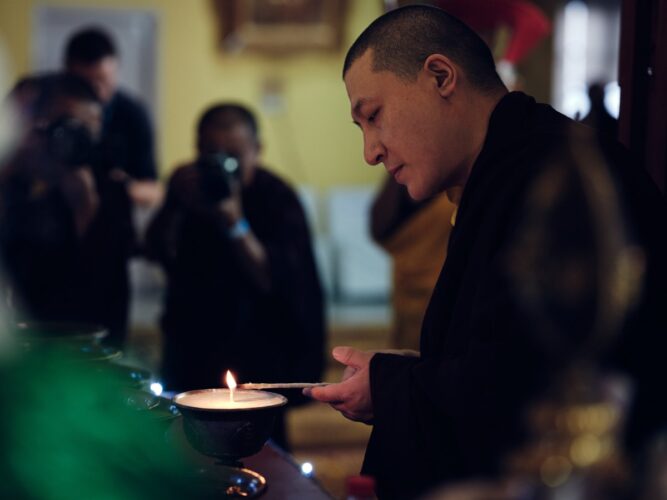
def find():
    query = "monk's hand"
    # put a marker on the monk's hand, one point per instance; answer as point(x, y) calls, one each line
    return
point(352, 396)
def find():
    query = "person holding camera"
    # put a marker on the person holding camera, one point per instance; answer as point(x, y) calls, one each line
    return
point(126, 144)
point(61, 243)
point(243, 291)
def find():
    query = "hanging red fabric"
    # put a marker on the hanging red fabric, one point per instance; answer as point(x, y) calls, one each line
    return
point(527, 23)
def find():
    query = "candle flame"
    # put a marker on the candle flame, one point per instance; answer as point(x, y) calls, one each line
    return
point(229, 379)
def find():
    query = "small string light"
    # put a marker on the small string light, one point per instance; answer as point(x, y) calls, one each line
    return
point(156, 388)
point(307, 469)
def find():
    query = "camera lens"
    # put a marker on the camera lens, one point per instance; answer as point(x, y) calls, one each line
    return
point(230, 165)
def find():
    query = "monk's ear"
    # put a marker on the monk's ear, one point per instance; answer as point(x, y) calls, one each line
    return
point(443, 72)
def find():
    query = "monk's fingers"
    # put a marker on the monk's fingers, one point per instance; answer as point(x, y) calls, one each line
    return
point(326, 394)
point(348, 372)
point(352, 357)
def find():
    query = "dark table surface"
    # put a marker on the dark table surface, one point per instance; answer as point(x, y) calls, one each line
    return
point(283, 475)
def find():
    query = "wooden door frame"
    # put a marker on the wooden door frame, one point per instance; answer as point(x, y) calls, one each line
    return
point(643, 81)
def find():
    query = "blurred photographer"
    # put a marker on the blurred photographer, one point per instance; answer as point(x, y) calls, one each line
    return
point(126, 145)
point(243, 291)
point(59, 238)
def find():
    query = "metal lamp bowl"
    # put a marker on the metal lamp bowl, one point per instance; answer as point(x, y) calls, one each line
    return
point(46, 334)
point(77, 341)
point(126, 375)
point(227, 434)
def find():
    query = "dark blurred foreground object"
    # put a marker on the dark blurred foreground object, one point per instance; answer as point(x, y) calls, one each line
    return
point(578, 277)
point(70, 431)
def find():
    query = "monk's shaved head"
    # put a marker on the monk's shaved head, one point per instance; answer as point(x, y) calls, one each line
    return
point(402, 39)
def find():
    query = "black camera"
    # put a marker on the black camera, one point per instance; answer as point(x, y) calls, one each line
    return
point(69, 142)
point(218, 172)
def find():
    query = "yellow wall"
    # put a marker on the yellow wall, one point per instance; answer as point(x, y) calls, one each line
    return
point(312, 141)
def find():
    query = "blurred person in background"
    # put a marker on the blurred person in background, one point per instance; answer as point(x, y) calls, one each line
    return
point(64, 245)
point(243, 291)
point(415, 234)
point(598, 117)
point(126, 147)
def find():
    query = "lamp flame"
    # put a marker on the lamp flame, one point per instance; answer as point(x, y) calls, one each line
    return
point(231, 383)
point(229, 379)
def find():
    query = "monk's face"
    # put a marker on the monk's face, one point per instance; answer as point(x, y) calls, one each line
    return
point(407, 126)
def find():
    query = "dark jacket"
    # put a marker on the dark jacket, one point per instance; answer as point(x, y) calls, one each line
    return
point(127, 140)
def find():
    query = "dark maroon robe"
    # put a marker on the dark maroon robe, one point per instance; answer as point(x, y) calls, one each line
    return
point(456, 412)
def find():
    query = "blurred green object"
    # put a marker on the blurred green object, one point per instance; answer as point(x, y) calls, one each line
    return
point(66, 431)
point(129, 376)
